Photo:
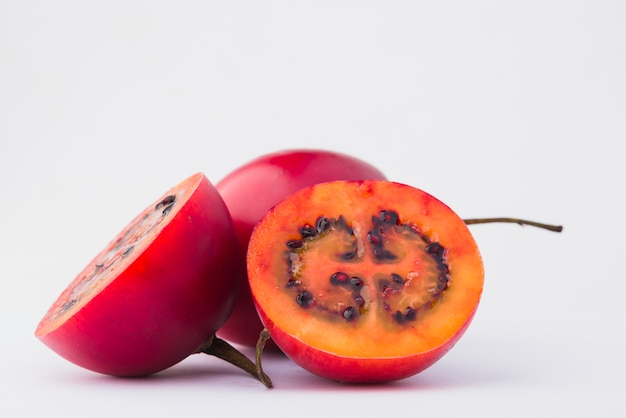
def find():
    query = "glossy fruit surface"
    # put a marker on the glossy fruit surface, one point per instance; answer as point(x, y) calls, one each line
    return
point(364, 281)
point(155, 293)
point(252, 189)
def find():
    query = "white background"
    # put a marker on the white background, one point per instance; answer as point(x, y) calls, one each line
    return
point(497, 108)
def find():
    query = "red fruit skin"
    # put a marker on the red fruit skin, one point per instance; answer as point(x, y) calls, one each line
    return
point(171, 299)
point(254, 188)
point(358, 369)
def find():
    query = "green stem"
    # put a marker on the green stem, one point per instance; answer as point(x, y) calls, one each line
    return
point(522, 222)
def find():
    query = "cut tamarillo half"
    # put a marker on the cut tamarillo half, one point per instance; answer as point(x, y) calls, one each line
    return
point(252, 189)
point(364, 281)
point(157, 293)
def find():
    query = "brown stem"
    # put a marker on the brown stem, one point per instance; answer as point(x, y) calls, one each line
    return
point(264, 336)
point(522, 222)
point(223, 350)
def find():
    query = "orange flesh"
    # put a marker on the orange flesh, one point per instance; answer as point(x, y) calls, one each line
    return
point(118, 254)
point(441, 295)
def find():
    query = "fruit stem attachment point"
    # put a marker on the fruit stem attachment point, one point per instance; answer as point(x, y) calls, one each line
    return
point(223, 350)
point(522, 222)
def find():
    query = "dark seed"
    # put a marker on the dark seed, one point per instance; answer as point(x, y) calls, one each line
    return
point(308, 231)
point(359, 300)
point(436, 250)
point(167, 209)
point(398, 317)
point(339, 278)
point(355, 281)
point(410, 314)
point(375, 238)
point(389, 217)
point(168, 200)
point(305, 299)
point(444, 269)
point(294, 244)
point(349, 313)
point(128, 250)
point(293, 282)
point(322, 224)
point(383, 254)
point(99, 265)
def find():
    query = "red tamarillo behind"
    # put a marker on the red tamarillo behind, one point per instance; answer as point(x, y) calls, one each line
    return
point(253, 189)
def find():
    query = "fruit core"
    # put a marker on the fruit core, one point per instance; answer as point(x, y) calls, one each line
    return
point(117, 254)
point(408, 273)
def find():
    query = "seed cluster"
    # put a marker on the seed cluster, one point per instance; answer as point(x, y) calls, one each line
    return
point(354, 285)
point(354, 298)
point(123, 247)
point(166, 204)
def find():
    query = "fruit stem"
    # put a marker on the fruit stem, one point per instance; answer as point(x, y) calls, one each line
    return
point(223, 350)
point(264, 336)
point(522, 222)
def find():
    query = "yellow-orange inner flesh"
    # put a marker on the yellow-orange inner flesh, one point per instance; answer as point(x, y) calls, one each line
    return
point(407, 303)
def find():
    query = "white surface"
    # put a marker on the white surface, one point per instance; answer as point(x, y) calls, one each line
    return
point(498, 108)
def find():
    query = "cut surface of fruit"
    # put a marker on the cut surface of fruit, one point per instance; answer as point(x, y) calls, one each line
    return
point(253, 188)
point(155, 293)
point(364, 281)
point(119, 253)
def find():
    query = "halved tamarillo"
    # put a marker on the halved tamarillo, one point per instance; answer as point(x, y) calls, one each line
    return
point(364, 281)
point(253, 188)
point(155, 294)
